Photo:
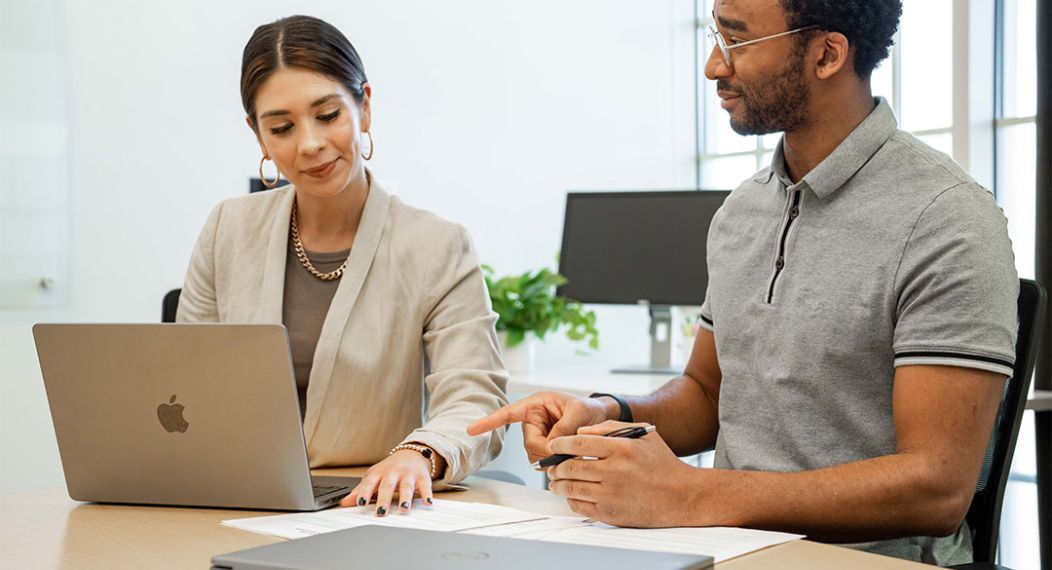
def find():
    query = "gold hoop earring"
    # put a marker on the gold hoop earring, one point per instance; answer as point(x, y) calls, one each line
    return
point(263, 179)
point(370, 146)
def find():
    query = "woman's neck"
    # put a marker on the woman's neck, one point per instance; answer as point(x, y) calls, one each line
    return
point(329, 223)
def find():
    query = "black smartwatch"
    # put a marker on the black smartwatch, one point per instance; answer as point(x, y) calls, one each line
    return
point(626, 412)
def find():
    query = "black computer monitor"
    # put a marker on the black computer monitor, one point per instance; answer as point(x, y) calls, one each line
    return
point(256, 185)
point(637, 247)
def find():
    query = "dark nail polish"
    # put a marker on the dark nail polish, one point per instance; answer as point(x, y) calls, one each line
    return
point(381, 511)
point(429, 501)
point(405, 505)
point(361, 501)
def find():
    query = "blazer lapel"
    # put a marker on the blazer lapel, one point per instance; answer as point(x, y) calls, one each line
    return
point(363, 251)
point(271, 302)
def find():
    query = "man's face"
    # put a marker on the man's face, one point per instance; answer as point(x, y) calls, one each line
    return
point(766, 90)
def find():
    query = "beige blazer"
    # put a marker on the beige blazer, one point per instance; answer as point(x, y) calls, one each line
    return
point(407, 351)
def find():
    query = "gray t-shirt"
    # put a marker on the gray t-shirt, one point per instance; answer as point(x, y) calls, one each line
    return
point(304, 307)
point(886, 254)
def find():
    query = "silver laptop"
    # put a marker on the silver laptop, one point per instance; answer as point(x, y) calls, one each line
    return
point(387, 547)
point(179, 414)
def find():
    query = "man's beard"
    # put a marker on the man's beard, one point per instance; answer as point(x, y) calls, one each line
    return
point(777, 106)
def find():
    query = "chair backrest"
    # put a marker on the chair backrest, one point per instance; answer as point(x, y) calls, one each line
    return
point(984, 515)
point(169, 305)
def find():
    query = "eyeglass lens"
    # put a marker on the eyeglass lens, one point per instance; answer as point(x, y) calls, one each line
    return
point(718, 40)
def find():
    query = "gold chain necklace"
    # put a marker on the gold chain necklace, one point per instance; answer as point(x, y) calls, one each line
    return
point(301, 254)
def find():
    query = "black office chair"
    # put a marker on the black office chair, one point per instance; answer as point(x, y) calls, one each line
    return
point(984, 515)
point(169, 305)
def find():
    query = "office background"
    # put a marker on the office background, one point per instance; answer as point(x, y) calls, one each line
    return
point(126, 128)
point(121, 126)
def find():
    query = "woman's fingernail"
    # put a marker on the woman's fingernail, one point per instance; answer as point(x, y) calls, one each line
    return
point(361, 501)
point(405, 505)
point(429, 501)
point(381, 511)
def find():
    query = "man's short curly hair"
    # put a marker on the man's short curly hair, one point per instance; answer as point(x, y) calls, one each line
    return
point(868, 24)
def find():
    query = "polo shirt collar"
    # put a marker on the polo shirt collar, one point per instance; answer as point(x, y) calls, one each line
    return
point(846, 159)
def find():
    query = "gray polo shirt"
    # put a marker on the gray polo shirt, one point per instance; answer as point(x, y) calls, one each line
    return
point(886, 254)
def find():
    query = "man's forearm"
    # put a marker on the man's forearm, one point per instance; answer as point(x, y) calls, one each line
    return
point(683, 413)
point(875, 499)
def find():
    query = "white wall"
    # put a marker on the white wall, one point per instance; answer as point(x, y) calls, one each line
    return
point(484, 112)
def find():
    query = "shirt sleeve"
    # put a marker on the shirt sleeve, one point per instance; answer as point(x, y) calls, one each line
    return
point(706, 321)
point(706, 311)
point(465, 378)
point(957, 286)
point(197, 301)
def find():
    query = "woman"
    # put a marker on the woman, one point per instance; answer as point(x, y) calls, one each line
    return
point(383, 302)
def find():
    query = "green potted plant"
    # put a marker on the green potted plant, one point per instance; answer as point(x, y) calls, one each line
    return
point(528, 303)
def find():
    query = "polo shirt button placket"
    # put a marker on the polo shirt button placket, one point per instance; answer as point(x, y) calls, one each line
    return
point(779, 264)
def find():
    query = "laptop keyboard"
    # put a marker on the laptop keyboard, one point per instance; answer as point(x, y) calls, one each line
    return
point(320, 490)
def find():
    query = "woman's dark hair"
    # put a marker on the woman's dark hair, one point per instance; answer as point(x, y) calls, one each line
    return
point(868, 24)
point(304, 42)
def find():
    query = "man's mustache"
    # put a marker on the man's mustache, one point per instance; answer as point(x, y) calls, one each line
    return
point(723, 85)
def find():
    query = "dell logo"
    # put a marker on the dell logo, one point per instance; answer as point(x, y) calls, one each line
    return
point(464, 555)
point(171, 416)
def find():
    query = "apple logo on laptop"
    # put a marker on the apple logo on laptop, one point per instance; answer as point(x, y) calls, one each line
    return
point(171, 416)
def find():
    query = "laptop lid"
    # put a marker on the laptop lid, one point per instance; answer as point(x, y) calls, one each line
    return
point(375, 546)
point(176, 414)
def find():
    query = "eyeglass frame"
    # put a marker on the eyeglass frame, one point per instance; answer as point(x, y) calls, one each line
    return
point(725, 50)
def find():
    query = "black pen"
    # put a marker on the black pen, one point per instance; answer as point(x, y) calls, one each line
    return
point(633, 432)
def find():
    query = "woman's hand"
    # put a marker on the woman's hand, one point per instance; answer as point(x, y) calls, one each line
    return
point(406, 471)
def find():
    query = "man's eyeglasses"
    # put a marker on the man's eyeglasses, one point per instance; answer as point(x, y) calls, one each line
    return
point(725, 50)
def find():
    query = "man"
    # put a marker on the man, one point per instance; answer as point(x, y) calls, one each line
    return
point(859, 321)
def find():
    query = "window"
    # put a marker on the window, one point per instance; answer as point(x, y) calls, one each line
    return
point(34, 199)
point(1015, 159)
point(725, 158)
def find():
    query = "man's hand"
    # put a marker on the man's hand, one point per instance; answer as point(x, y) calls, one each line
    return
point(545, 416)
point(633, 482)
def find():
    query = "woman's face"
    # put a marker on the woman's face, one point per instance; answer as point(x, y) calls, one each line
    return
point(312, 128)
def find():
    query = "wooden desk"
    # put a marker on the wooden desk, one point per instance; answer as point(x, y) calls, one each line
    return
point(48, 530)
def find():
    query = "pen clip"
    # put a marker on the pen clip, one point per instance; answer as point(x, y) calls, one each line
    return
point(629, 430)
point(620, 432)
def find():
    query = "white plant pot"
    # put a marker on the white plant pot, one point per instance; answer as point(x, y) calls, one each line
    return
point(520, 358)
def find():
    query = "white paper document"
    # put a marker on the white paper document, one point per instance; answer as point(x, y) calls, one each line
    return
point(721, 543)
point(450, 516)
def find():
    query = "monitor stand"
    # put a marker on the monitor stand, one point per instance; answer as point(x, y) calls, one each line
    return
point(660, 345)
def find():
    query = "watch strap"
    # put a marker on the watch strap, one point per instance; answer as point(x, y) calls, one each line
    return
point(626, 412)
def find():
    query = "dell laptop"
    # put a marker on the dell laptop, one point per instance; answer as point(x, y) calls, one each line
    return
point(180, 414)
point(376, 546)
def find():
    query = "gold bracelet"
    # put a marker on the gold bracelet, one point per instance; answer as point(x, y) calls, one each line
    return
point(421, 449)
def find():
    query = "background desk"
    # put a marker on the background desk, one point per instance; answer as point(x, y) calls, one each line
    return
point(48, 530)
